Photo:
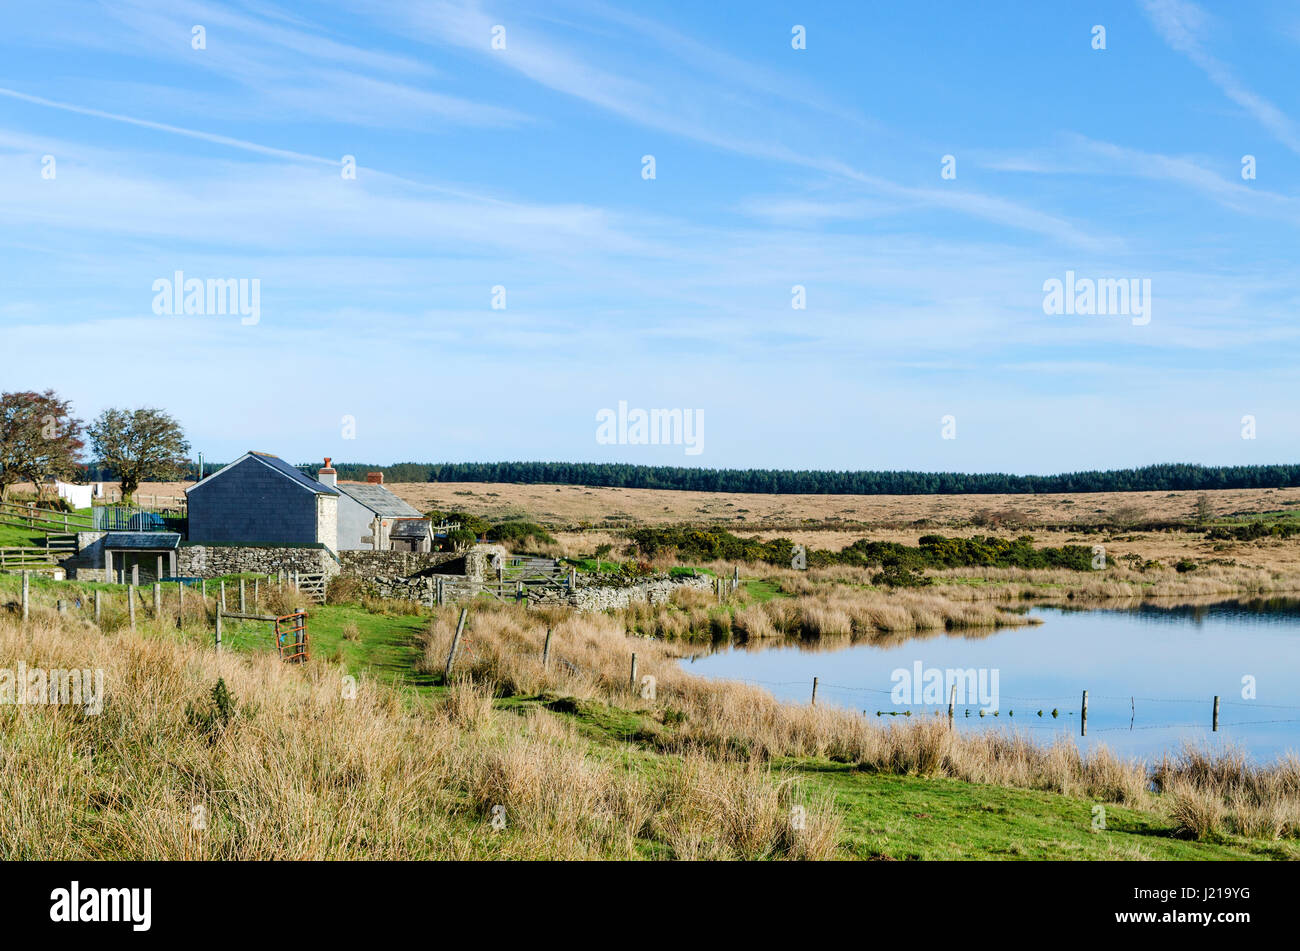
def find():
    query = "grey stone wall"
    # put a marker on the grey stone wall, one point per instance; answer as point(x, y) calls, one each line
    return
point(395, 564)
point(211, 561)
point(592, 598)
point(88, 563)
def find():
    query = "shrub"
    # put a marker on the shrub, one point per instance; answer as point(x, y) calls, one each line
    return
point(344, 589)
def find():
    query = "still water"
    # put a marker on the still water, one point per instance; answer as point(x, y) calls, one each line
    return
point(1151, 674)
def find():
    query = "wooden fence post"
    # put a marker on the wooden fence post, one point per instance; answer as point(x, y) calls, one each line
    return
point(130, 600)
point(219, 609)
point(1083, 716)
point(814, 695)
point(157, 599)
point(223, 594)
point(1216, 714)
point(546, 650)
point(632, 679)
point(27, 595)
point(952, 704)
point(135, 574)
point(257, 591)
point(99, 608)
point(203, 590)
point(243, 597)
point(455, 642)
point(180, 603)
point(735, 578)
point(519, 591)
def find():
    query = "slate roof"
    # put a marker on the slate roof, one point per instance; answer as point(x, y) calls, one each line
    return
point(410, 528)
point(142, 541)
point(378, 499)
point(279, 465)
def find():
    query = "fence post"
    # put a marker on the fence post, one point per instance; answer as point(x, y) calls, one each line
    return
point(1083, 716)
point(952, 704)
point(27, 595)
point(243, 597)
point(814, 695)
point(223, 594)
point(442, 593)
point(157, 599)
point(455, 642)
point(735, 578)
point(130, 600)
point(1216, 714)
point(519, 591)
point(632, 680)
point(99, 609)
point(203, 590)
point(573, 578)
point(546, 650)
point(180, 603)
point(296, 585)
point(135, 573)
point(257, 586)
point(219, 609)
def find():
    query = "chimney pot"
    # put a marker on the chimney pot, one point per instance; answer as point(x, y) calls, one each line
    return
point(327, 475)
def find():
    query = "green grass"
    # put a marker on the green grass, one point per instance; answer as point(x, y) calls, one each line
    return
point(912, 817)
point(760, 592)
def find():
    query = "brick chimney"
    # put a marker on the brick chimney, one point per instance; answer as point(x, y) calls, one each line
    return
point(328, 475)
point(375, 478)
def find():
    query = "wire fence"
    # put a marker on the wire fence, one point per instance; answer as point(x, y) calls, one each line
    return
point(1062, 708)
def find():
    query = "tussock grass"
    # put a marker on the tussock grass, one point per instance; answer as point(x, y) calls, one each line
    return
point(302, 771)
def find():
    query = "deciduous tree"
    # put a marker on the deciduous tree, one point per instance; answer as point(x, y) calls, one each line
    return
point(139, 445)
point(39, 439)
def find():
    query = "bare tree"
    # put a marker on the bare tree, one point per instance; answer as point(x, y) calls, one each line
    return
point(39, 439)
point(139, 445)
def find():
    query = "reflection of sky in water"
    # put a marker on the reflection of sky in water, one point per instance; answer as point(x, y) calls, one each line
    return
point(1151, 675)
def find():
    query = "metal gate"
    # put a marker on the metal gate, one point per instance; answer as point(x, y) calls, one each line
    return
point(291, 637)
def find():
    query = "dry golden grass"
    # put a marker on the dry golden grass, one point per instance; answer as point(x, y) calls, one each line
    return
point(302, 771)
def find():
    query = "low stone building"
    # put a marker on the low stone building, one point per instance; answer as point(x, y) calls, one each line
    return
point(373, 519)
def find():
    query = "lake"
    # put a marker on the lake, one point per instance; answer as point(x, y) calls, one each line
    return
point(1151, 674)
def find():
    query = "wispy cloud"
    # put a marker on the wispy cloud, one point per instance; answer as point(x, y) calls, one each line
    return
point(1183, 26)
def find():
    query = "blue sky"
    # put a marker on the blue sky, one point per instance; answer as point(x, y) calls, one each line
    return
point(774, 167)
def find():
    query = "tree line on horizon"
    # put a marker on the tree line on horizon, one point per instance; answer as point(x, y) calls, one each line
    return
point(1164, 477)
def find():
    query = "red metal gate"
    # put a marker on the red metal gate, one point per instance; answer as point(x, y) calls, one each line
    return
point(291, 637)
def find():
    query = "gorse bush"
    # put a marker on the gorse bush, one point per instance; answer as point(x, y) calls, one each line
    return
point(932, 551)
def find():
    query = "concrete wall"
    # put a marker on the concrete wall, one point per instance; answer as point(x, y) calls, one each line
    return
point(327, 521)
point(354, 523)
point(251, 502)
